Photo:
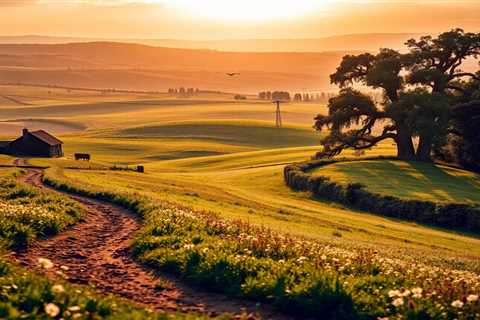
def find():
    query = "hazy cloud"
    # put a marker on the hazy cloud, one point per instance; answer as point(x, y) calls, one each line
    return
point(15, 3)
point(99, 2)
point(11, 3)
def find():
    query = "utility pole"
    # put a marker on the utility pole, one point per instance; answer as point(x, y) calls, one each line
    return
point(278, 114)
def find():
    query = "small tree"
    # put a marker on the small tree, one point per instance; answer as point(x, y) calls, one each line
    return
point(297, 97)
point(281, 95)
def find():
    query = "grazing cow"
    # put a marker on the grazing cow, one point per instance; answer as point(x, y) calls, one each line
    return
point(82, 156)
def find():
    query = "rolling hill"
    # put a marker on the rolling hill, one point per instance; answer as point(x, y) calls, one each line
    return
point(348, 42)
point(131, 66)
point(140, 67)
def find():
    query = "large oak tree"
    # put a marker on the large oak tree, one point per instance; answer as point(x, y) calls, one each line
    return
point(463, 145)
point(418, 96)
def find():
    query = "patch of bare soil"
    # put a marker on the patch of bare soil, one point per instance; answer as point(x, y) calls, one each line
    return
point(96, 252)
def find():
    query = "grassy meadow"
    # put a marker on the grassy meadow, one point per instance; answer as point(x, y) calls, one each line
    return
point(211, 154)
point(409, 180)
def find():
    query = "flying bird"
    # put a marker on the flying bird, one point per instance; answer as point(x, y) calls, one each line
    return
point(233, 74)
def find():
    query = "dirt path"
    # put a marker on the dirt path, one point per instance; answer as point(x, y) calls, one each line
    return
point(96, 252)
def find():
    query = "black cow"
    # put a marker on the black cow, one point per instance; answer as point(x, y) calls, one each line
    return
point(82, 156)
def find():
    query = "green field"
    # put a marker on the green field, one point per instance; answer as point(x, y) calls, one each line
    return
point(409, 180)
point(217, 154)
point(213, 154)
point(250, 186)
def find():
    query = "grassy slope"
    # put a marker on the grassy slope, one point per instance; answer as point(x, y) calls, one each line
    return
point(5, 160)
point(245, 186)
point(245, 182)
point(121, 110)
point(258, 134)
point(410, 180)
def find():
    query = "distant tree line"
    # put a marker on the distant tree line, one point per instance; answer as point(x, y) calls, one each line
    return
point(240, 97)
point(183, 90)
point(298, 97)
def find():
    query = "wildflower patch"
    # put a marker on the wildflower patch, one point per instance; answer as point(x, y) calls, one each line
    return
point(301, 277)
point(26, 214)
point(24, 295)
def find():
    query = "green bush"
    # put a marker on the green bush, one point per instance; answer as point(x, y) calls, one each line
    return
point(461, 217)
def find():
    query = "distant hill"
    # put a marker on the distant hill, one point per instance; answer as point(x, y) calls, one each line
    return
point(108, 55)
point(364, 42)
point(141, 67)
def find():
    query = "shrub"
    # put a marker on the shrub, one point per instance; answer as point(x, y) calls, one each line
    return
point(462, 217)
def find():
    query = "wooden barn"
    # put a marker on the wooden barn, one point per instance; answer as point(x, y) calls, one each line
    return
point(36, 144)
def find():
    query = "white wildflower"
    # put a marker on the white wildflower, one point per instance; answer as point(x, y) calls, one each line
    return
point(457, 304)
point(417, 291)
point(45, 263)
point(397, 302)
point(394, 293)
point(52, 310)
point(74, 308)
point(58, 288)
point(301, 259)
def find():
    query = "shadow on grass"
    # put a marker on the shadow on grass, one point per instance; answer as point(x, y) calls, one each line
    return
point(413, 180)
point(391, 219)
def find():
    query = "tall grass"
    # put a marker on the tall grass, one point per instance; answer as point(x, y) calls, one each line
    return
point(26, 214)
point(301, 277)
point(24, 295)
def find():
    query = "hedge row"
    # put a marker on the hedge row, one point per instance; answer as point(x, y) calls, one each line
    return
point(455, 216)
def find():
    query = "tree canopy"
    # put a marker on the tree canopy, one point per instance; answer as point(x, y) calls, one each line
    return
point(420, 90)
point(463, 143)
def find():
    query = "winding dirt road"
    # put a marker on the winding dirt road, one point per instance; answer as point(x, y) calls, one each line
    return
point(96, 252)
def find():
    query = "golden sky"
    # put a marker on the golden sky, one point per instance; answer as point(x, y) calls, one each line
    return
point(225, 19)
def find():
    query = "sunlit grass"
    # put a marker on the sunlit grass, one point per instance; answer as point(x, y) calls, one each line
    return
point(214, 154)
point(250, 186)
point(411, 180)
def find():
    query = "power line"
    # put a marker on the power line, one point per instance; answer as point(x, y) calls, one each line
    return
point(278, 114)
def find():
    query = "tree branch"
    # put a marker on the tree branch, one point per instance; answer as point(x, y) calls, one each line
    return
point(465, 74)
point(451, 86)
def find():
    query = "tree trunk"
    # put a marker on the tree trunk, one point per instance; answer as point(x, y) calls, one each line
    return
point(405, 148)
point(424, 151)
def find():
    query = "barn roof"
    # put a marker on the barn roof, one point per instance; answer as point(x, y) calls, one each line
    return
point(45, 137)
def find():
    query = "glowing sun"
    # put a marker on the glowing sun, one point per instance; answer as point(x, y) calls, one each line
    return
point(248, 10)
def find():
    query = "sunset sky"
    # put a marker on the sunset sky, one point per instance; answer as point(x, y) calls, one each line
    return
point(226, 19)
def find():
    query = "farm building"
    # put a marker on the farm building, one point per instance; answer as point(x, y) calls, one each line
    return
point(36, 144)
